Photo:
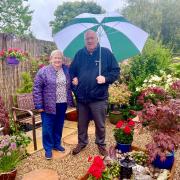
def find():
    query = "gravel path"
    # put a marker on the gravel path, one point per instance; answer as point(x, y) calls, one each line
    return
point(73, 167)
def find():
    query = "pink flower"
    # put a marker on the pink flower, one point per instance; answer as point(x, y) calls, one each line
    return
point(13, 146)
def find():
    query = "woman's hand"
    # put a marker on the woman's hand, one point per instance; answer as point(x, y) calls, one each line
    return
point(40, 110)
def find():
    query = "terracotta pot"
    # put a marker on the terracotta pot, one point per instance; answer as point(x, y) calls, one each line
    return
point(8, 175)
point(72, 116)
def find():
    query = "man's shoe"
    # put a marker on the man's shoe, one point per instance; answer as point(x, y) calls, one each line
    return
point(59, 148)
point(102, 150)
point(48, 155)
point(78, 149)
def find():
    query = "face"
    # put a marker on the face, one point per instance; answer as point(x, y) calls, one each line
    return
point(56, 60)
point(91, 40)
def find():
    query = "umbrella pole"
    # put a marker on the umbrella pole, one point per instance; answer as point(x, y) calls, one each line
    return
point(99, 59)
point(100, 55)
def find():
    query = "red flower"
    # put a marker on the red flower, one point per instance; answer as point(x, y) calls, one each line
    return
point(131, 123)
point(89, 158)
point(119, 124)
point(97, 168)
point(41, 66)
point(127, 130)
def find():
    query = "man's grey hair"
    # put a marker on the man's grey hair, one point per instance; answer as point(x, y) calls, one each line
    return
point(90, 30)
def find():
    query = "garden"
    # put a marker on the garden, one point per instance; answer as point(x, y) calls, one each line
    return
point(143, 123)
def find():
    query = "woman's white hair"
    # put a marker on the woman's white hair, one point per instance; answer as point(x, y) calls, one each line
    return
point(57, 51)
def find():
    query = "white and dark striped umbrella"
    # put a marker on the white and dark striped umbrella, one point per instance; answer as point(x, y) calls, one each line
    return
point(114, 32)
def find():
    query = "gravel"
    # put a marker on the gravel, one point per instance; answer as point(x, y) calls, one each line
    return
point(74, 167)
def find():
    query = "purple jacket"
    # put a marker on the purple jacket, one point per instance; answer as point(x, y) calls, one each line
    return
point(44, 90)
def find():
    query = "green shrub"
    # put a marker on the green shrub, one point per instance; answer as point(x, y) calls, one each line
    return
point(154, 58)
point(27, 83)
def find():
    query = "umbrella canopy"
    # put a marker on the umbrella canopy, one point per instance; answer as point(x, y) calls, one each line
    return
point(114, 32)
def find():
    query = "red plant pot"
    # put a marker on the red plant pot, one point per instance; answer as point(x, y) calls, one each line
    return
point(72, 116)
point(8, 175)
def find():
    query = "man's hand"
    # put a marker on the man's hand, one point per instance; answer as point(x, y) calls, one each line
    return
point(40, 110)
point(101, 79)
point(75, 81)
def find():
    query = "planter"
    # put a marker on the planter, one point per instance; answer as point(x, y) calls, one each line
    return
point(167, 164)
point(114, 116)
point(8, 175)
point(72, 115)
point(12, 61)
point(123, 147)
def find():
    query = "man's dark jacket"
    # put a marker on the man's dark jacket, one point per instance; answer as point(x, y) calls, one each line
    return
point(85, 67)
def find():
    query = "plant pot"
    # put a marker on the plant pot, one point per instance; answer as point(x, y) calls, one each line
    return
point(114, 116)
point(167, 164)
point(12, 61)
point(123, 147)
point(72, 116)
point(8, 175)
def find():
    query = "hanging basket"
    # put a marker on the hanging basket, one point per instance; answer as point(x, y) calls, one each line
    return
point(12, 61)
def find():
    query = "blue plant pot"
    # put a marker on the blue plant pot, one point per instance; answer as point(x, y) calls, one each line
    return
point(167, 164)
point(12, 61)
point(123, 147)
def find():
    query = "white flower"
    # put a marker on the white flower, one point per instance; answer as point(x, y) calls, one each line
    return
point(169, 80)
point(8, 153)
point(153, 85)
point(168, 76)
point(145, 80)
point(138, 89)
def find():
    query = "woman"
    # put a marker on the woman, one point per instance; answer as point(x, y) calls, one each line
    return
point(52, 95)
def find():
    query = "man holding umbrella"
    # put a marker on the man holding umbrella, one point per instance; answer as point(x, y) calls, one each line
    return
point(92, 70)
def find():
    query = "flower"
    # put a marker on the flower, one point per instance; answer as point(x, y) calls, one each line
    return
point(13, 52)
point(10, 153)
point(97, 167)
point(164, 81)
point(127, 130)
point(123, 133)
point(131, 123)
point(119, 124)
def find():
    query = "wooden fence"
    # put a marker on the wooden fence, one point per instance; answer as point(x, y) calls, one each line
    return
point(10, 76)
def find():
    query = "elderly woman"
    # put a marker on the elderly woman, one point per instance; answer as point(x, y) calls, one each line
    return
point(52, 95)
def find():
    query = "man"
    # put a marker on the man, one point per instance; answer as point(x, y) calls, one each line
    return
point(91, 89)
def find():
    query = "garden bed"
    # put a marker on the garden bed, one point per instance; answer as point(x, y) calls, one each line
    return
point(74, 167)
point(135, 148)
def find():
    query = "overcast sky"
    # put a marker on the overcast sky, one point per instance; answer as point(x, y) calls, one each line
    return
point(44, 10)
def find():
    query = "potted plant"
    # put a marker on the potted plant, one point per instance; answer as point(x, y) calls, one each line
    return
point(118, 96)
point(161, 151)
point(123, 134)
point(10, 156)
point(164, 120)
point(13, 56)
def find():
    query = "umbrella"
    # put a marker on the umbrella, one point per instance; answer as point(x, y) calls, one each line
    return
point(114, 31)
